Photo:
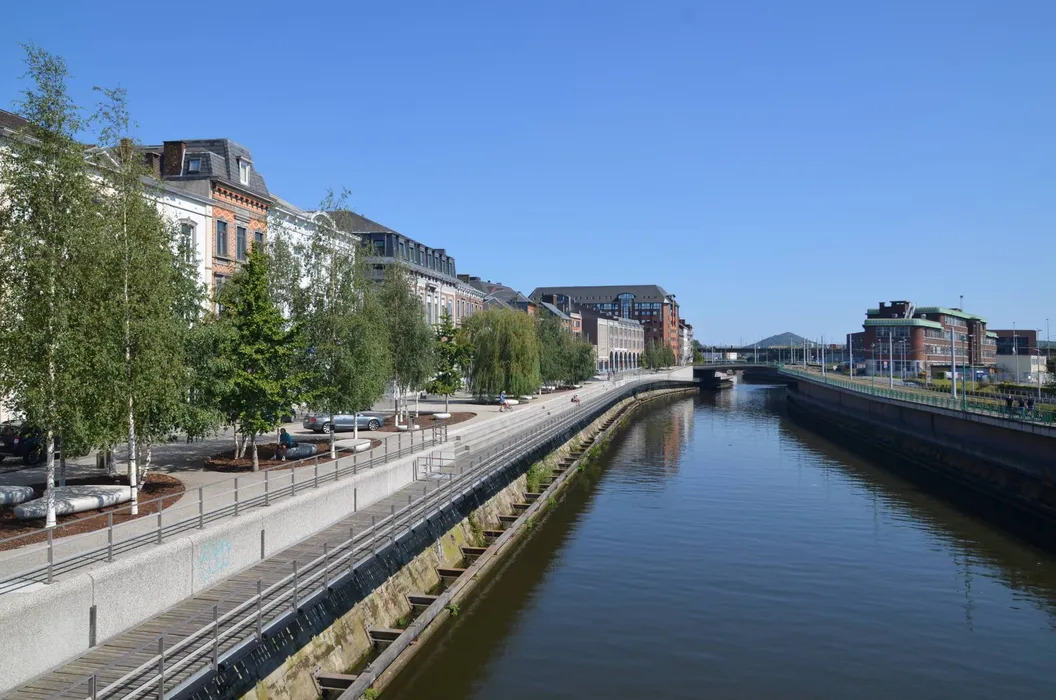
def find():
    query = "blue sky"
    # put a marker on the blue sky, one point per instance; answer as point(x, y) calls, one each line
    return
point(776, 165)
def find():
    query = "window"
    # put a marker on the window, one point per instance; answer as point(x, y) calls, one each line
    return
point(240, 242)
point(244, 167)
point(221, 238)
point(194, 166)
point(258, 239)
point(187, 240)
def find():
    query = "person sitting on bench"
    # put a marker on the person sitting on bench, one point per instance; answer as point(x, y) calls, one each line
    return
point(286, 441)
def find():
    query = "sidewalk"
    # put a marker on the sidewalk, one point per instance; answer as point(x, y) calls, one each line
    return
point(218, 491)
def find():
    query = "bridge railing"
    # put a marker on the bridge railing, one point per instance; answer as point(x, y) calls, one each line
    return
point(994, 409)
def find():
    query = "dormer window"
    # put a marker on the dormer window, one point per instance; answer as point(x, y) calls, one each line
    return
point(244, 167)
point(194, 166)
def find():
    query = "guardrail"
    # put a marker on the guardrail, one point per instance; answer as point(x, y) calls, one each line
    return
point(962, 404)
point(219, 638)
point(221, 499)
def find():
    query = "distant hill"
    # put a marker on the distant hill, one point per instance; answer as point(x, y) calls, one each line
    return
point(783, 340)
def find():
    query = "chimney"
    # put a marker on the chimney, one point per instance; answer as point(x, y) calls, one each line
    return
point(172, 158)
point(153, 162)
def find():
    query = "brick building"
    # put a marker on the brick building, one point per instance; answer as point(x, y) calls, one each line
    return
point(918, 340)
point(221, 172)
point(649, 304)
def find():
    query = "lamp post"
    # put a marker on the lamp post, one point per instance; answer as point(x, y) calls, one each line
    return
point(872, 375)
point(850, 356)
point(891, 356)
point(1015, 349)
point(1039, 370)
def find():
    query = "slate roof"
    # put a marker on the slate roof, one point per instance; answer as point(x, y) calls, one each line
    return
point(507, 295)
point(606, 293)
point(10, 120)
point(219, 161)
point(357, 223)
point(554, 310)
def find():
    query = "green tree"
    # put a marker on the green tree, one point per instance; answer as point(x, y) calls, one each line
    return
point(667, 357)
point(582, 362)
point(143, 324)
point(553, 349)
point(50, 283)
point(449, 349)
point(348, 357)
point(505, 352)
point(410, 338)
point(261, 351)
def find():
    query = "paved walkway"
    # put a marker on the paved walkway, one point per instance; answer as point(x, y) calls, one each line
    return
point(216, 492)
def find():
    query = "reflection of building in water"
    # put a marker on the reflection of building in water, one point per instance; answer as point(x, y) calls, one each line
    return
point(679, 431)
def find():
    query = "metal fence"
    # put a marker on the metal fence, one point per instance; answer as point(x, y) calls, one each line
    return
point(963, 403)
point(175, 662)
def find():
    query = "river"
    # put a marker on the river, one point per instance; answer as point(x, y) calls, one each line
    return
point(720, 550)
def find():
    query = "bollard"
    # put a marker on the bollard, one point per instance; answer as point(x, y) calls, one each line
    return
point(386, 450)
point(267, 489)
point(317, 474)
point(51, 554)
point(355, 500)
point(159, 521)
point(236, 496)
point(337, 472)
point(110, 536)
point(355, 461)
point(201, 509)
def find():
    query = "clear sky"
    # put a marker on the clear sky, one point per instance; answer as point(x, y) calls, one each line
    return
point(779, 166)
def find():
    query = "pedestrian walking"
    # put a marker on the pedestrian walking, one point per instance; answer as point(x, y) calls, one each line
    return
point(1030, 405)
point(1008, 404)
point(1020, 408)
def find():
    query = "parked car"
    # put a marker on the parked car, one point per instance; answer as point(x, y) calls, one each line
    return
point(343, 421)
point(18, 440)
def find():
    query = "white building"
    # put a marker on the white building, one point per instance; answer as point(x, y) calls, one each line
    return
point(1025, 369)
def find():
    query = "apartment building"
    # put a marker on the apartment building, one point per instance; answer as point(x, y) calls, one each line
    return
point(649, 304)
point(618, 342)
point(498, 294)
point(432, 270)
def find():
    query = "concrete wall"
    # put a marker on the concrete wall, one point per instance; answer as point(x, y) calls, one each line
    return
point(1008, 459)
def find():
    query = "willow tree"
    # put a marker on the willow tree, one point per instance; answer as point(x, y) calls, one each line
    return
point(144, 320)
point(505, 352)
point(51, 243)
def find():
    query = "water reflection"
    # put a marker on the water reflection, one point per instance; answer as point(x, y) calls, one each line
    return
point(727, 552)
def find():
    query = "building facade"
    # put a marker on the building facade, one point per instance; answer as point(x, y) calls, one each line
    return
point(685, 343)
point(432, 270)
point(498, 294)
point(220, 172)
point(618, 342)
point(649, 304)
point(919, 340)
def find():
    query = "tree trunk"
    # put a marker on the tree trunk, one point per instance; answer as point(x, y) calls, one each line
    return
point(62, 463)
point(447, 400)
point(147, 461)
point(395, 403)
point(253, 446)
point(333, 442)
point(235, 436)
point(133, 466)
point(111, 461)
point(49, 493)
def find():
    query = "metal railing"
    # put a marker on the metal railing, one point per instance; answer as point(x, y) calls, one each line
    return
point(64, 553)
point(176, 663)
point(963, 403)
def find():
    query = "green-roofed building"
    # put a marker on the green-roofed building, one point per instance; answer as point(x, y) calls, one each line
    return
point(922, 340)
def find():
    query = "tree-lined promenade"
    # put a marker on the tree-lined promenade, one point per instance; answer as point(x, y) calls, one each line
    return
point(109, 338)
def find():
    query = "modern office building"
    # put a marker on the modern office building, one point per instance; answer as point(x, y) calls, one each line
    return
point(432, 270)
point(650, 304)
point(918, 340)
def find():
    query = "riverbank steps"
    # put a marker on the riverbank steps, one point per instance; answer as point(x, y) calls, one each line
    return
point(334, 636)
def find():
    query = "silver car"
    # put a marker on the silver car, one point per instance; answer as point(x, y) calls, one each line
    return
point(343, 421)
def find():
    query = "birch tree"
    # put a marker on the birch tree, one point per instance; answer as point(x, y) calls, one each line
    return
point(147, 315)
point(348, 357)
point(50, 244)
point(410, 337)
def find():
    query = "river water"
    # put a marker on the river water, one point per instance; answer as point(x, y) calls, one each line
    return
point(722, 551)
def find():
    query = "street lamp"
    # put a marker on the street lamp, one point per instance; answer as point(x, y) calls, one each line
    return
point(1015, 349)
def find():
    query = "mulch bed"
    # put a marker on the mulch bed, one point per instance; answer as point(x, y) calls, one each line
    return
point(226, 463)
point(426, 420)
point(157, 486)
